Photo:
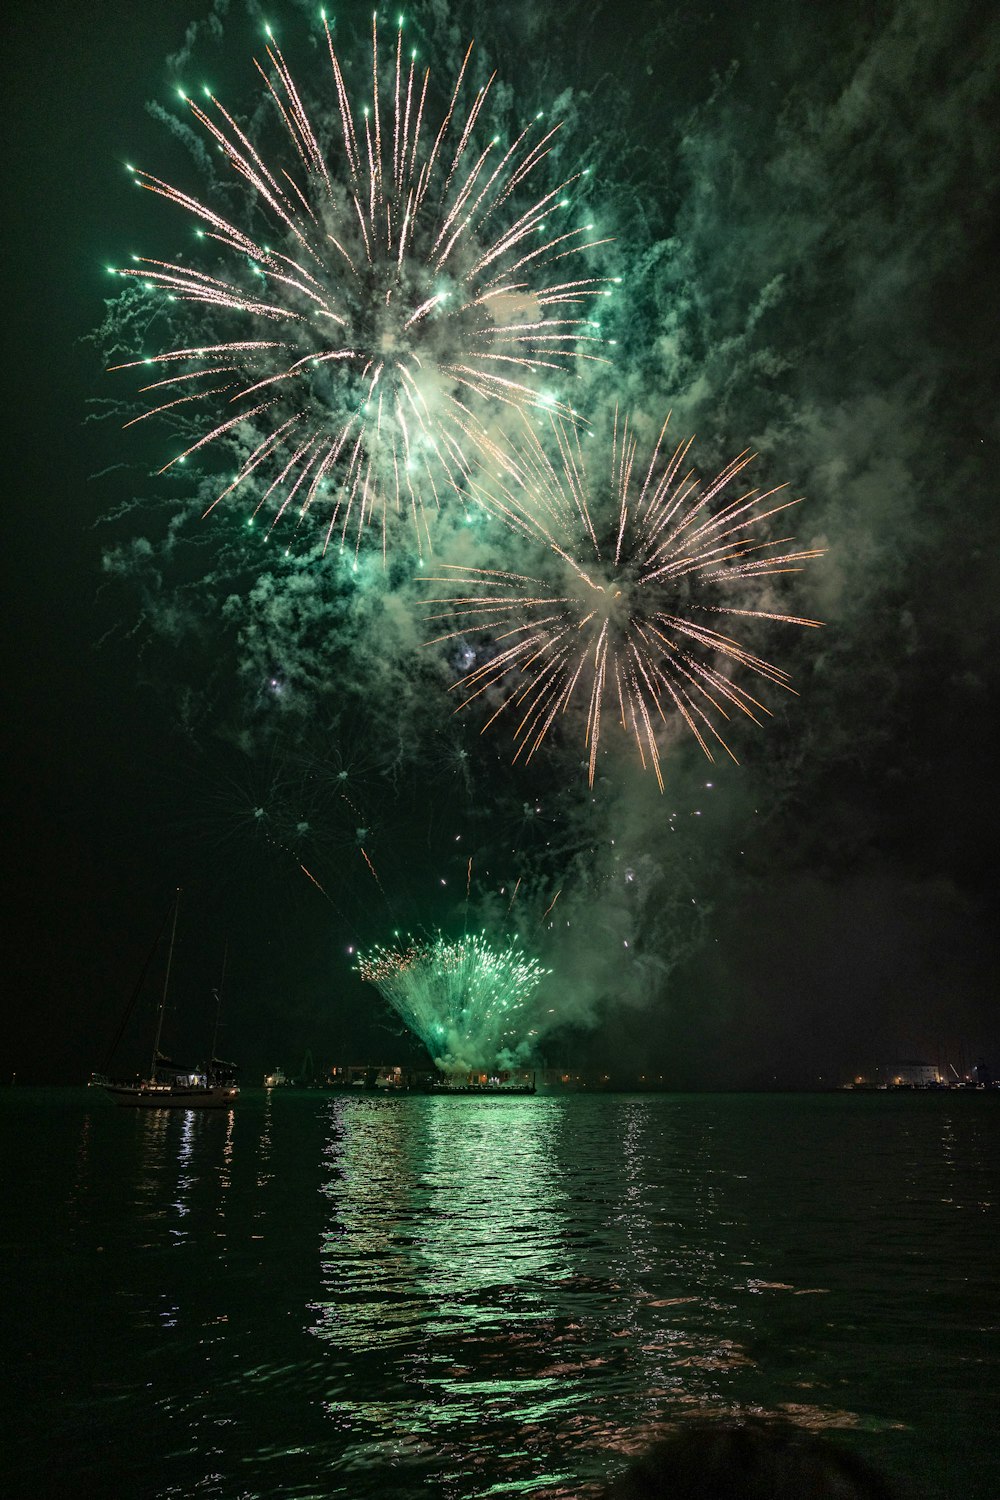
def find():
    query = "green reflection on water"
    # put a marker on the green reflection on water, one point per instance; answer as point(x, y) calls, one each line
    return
point(433, 1205)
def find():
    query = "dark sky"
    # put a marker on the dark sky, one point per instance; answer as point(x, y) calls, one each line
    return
point(803, 203)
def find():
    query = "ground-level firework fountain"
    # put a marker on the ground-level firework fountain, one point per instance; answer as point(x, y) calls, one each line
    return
point(468, 1001)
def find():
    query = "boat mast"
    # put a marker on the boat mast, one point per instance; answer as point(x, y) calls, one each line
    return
point(136, 992)
point(218, 1004)
point(166, 985)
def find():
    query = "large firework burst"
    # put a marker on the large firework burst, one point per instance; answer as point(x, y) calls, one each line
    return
point(385, 276)
point(638, 565)
point(465, 1000)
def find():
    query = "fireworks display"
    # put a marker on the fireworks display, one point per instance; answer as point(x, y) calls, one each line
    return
point(642, 564)
point(390, 301)
point(386, 274)
point(468, 1001)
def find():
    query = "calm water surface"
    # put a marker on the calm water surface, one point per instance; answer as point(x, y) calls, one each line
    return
point(318, 1295)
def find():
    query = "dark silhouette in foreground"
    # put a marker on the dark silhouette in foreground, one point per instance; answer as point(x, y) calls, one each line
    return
point(752, 1461)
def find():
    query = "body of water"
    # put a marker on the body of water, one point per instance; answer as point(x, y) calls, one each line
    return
point(318, 1295)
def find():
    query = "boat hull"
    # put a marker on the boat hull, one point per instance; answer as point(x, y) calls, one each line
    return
point(162, 1096)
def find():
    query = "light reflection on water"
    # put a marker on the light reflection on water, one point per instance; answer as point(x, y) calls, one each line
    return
point(317, 1294)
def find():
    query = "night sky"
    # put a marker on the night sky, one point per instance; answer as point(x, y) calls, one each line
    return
point(803, 203)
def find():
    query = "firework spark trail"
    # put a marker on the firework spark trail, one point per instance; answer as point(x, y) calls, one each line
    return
point(310, 876)
point(622, 619)
point(404, 280)
point(364, 855)
point(551, 904)
point(467, 1001)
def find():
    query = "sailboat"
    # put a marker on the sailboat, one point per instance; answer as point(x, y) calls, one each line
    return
point(169, 1086)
